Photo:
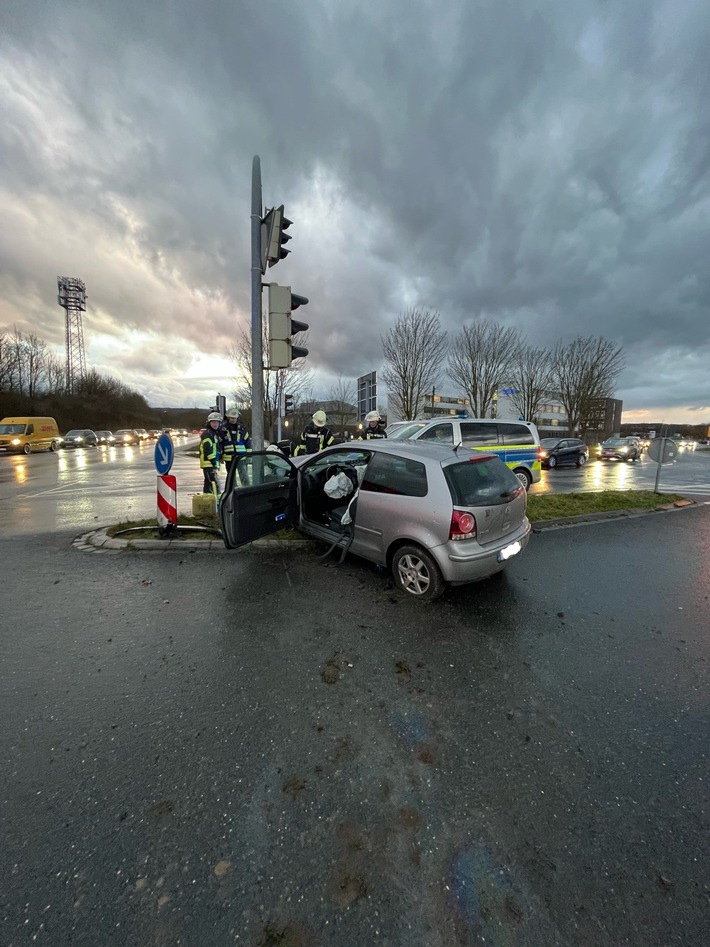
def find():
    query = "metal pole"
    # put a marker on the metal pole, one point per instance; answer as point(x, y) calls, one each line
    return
point(660, 462)
point(257, 365)
point(279, 403)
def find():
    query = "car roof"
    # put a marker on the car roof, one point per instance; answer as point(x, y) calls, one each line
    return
point(410, 450)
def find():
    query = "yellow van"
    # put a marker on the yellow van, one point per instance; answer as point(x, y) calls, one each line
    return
point(28, 434)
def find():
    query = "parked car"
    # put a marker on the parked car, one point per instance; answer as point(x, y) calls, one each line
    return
point(517, 443)
point(105, 437)
point(619, 448)
point(127, 438)
point(431, 514)
point(558, 451)
point(81, 437)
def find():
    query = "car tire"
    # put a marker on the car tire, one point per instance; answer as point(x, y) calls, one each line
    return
point(581, 460)
point(53, 446)
point(524, 477)
point(415, 572)
point(551, 462)
point(27, 449)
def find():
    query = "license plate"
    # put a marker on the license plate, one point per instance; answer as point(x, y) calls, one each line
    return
point(508, 551)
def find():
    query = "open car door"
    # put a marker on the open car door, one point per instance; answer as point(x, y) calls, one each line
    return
point(259, 498)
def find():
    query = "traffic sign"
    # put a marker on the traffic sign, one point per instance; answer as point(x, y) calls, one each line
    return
point(164, 454)
point(663, 450)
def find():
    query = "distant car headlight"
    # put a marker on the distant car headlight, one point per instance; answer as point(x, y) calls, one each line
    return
point(79, 439)
point(623, 450)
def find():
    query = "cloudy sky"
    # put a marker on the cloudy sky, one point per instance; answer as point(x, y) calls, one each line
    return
point(543, 163)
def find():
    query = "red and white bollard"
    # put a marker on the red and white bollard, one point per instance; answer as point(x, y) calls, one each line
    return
point(167, 501)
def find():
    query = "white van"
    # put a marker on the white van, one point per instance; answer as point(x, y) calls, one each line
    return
point(517, 443)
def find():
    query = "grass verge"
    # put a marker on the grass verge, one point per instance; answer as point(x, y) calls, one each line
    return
point(556, 505)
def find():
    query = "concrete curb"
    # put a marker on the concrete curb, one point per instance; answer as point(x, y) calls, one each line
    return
point(584, 519)
point(98, 539)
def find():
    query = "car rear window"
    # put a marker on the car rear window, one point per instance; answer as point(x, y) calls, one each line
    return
point(486, 481)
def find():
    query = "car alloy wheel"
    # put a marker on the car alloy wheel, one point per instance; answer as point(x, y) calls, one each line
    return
point(581, 460)
point(551, 462)
point(524, 477)
point(416, 572)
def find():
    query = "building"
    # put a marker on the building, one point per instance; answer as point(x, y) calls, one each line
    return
point(435, 406)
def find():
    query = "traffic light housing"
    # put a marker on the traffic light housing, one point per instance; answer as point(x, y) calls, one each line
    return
point(289, 406)
point(282, 326)
point(274, 237)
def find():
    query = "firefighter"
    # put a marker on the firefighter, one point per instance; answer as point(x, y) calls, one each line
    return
point(210, 445)
point(235, 438)
point(374, 428)
point(315, 436)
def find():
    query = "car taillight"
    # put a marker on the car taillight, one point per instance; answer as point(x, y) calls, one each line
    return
point(463, 525)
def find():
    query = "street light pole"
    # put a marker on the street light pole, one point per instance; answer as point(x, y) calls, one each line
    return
point(257, 362)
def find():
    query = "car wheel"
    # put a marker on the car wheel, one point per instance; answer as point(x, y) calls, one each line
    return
point(524, 477)
point(581, 460)
point(415, 572)
point(27, 449)
point(551, 462)
point(53, 446)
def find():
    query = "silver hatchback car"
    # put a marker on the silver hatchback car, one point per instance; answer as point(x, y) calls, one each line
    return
point(431, 514)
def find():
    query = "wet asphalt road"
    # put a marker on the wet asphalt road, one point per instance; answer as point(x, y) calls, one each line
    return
point(87, 488)
point(259, 748)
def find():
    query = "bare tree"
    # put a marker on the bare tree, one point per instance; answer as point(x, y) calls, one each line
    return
point(35, 358)
point(295, 380)
point(531, 378)
point(585, 372)
point(342, 409)
point(55, 374)
point(481, 358)
point(6, 363)
point(414, 349)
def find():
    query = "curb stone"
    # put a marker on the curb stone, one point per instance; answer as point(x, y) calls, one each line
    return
point(98, 540)
point(538, 526)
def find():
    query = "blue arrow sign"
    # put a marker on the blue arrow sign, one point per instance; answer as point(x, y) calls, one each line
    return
point(164, 453)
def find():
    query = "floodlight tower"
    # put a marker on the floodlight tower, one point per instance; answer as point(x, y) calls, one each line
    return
point(72, 298)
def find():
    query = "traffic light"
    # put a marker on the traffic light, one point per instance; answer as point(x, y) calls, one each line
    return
point(274, 237)
point(282, 327)
point(289, 405)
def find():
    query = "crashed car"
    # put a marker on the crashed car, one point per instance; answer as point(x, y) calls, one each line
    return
point(433, 515)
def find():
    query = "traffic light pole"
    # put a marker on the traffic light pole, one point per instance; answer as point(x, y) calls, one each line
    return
point(257, 361)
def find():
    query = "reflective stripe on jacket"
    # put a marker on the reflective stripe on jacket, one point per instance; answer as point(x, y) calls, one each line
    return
point(314, 439)
point(209, 448)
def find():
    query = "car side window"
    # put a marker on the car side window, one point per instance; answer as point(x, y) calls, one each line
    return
point(263, 468)
point(516, 434)
point(440, 433)
point(473, 433)
point(325, 459)
point(395, 476)
point(30, 428)
point(563, 444)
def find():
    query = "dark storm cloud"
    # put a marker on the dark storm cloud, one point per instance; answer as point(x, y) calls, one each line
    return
point(544, 164)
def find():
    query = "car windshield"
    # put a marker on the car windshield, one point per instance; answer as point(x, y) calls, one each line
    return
point(75, 434)
point(402, 433)
point(614, 442)
point(12, 428)
point(485, 481)
point(549, 442)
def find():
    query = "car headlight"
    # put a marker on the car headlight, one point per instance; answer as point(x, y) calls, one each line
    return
point(544, 453)
point(16, 442)
point(623, 450)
